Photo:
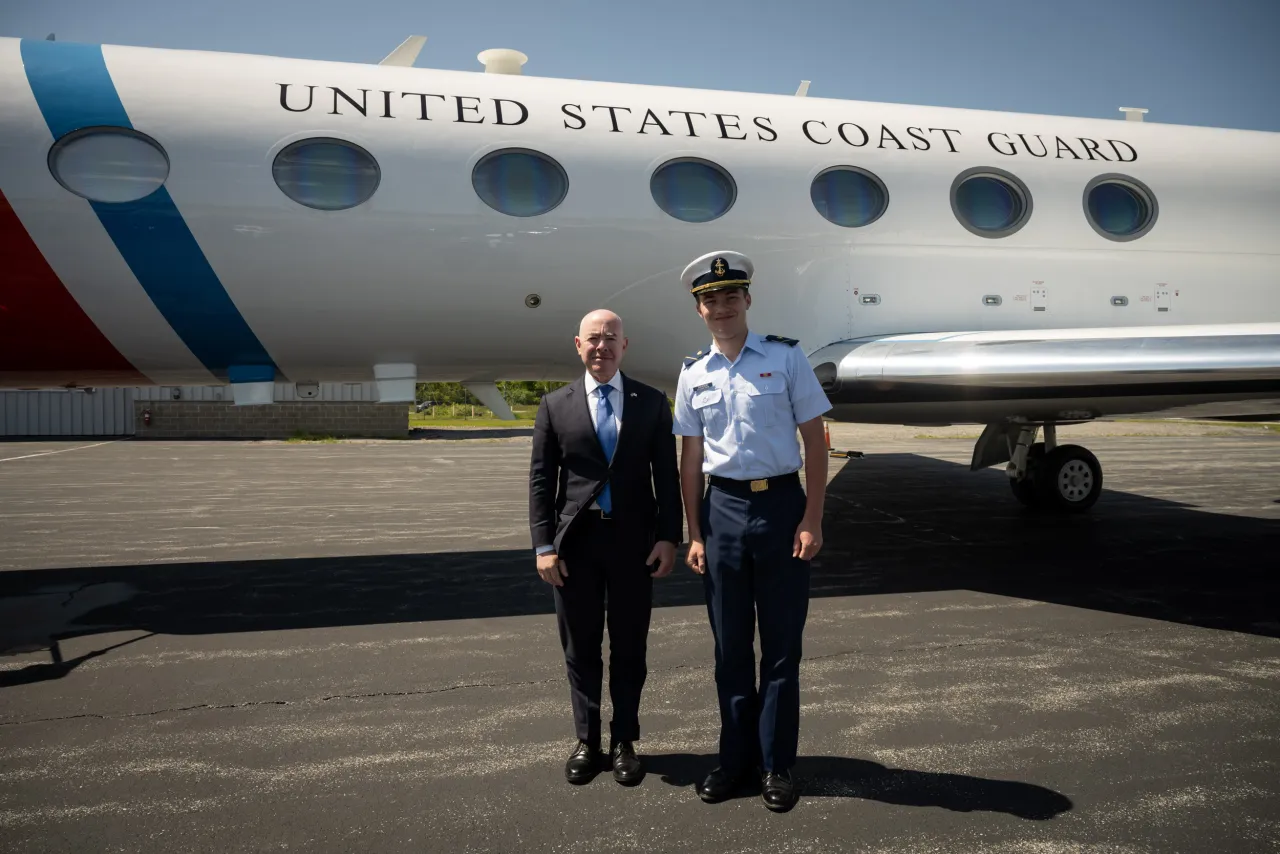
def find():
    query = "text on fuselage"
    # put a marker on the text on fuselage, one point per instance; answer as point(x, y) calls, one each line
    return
point(695, 124)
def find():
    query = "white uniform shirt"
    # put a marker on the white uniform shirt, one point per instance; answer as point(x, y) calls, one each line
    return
point(746, 411)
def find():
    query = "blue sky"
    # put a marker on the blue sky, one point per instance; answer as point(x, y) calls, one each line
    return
point(1205, 62)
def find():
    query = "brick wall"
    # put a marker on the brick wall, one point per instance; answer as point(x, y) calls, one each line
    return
point(177, 419)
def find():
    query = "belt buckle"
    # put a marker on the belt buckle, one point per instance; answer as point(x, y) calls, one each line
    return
point(759, 485)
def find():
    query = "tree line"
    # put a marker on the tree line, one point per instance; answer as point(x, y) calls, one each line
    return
point(515, 393)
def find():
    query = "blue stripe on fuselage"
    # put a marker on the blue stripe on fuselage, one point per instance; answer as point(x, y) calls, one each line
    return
point(74, 90)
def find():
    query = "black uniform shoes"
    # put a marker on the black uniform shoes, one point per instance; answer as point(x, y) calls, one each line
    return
point(720, 785)
point(584, 763)
point(778, 791)
point(587, 761)
point(627, 769)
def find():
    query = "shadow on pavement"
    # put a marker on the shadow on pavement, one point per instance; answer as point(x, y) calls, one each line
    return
point(895, 523)
point(842, 777)
point(59, 667)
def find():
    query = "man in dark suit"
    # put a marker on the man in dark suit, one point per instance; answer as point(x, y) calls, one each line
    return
point(605, 515)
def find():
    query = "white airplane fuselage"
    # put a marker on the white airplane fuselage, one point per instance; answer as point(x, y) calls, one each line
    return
point(425, 273)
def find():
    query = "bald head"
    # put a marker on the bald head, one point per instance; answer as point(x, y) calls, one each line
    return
point(599, 318)
point(601, 344)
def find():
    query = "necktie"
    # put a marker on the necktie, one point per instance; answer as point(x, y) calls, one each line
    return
point(607, 433)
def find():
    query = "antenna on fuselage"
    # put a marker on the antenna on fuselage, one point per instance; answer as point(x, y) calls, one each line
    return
point(1133, 114)
point(502, 60)
point(407, 54)
point(803, 90)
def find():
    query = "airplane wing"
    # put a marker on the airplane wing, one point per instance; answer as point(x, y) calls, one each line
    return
point(407, 53)
point(1050, 375)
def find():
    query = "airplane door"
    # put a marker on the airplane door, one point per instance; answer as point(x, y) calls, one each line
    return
point(1163, 301)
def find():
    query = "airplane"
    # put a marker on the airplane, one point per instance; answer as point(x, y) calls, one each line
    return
point(188, 217)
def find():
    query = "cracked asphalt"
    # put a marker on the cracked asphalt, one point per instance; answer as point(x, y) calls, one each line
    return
point(265, 646)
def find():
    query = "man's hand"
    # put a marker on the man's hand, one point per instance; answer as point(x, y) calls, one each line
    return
point(665, 554)
point(808, 541)
point(552, 570)
point(697, 556)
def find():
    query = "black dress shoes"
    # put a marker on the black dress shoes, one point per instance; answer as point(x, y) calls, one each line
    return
point(778, 791)
point(584, 763)
point(627, 769)
point(719, 785)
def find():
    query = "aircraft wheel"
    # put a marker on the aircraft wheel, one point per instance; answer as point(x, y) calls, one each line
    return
point(1069, 479)
point(1026, 490)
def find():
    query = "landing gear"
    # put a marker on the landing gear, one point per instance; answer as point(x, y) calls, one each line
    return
point(1069, 479)
point(1025, 488)
point(1048, 476)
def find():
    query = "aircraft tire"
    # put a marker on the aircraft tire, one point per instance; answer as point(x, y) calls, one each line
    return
point(1069, 479)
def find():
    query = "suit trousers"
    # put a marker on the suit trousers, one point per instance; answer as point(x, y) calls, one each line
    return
point(608, 585)
point(750, 573)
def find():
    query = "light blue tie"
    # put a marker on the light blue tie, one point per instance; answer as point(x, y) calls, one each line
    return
point(607, 433)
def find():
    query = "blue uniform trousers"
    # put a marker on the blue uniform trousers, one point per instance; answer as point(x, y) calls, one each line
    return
point(750, 573)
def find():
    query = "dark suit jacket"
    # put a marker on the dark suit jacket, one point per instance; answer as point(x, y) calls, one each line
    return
point(568, 469)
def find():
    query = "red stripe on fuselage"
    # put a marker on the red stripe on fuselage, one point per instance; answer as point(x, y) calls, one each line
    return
point(45, 337)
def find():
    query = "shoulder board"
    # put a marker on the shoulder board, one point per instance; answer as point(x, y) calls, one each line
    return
point(790, 342)
point(689, 361)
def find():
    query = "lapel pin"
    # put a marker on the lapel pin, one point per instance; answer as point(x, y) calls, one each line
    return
point(633, 394)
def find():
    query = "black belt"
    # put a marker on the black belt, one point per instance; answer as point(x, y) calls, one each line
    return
point(748, 487)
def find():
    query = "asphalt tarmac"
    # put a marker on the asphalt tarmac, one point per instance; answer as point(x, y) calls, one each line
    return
point(260, 646)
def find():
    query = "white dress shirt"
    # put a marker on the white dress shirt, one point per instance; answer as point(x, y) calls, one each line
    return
point(615, 400)
point(593, 404)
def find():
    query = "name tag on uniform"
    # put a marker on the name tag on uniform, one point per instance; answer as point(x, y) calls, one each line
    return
point(704, 396)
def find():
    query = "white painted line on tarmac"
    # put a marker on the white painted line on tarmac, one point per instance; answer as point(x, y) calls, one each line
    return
point(60, 451)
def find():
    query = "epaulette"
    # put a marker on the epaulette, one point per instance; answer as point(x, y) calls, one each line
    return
point(790, 342)
point(689, 361)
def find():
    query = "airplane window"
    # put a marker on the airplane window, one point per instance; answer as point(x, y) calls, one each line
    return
point(520, 182)
point(326, 174)
point(1119, 207)
point(109, 164)
point(693, 190)
point(990, 202)
point(849, 196)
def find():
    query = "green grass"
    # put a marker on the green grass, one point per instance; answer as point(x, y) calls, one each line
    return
point(464, 423)
point(1220, 428)
point(1205, 422)
point(461, 415)
point(465, 411)
point(1261, 426)
point(304, 438)
point(1256, 425)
